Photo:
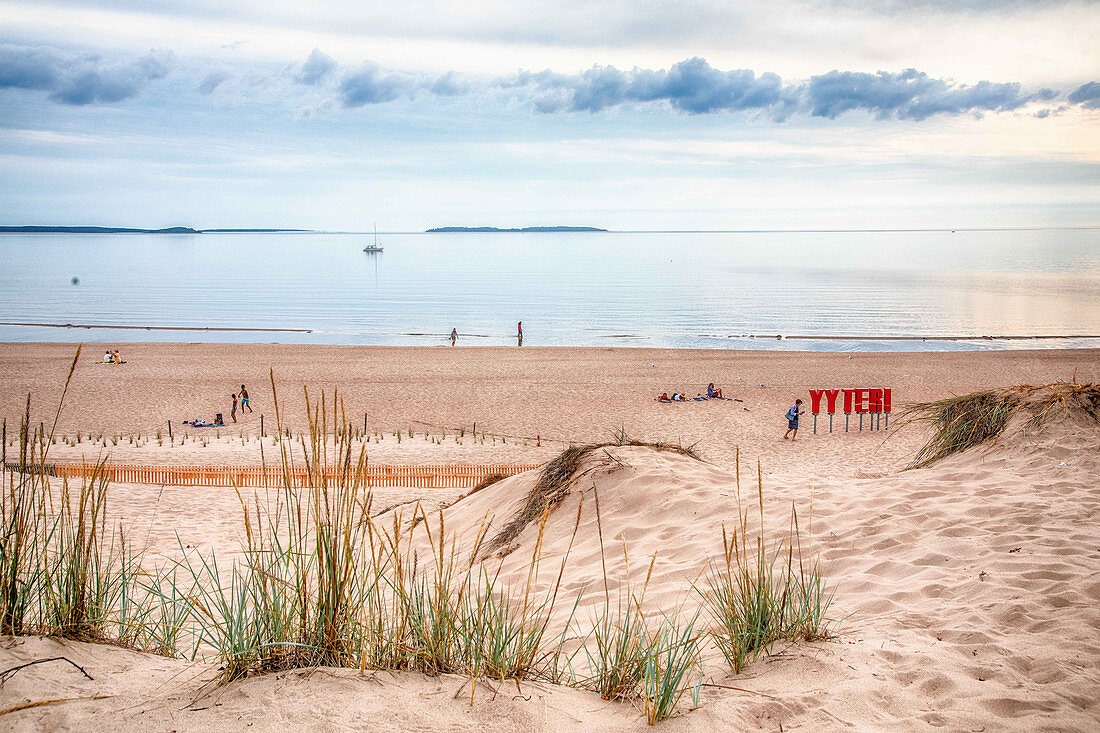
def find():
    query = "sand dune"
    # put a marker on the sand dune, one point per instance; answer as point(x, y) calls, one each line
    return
point(967, 593)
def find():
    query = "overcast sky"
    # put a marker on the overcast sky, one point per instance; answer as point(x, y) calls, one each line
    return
point(628, 114)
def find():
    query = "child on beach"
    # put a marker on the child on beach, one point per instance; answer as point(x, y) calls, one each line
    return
point(454, 336)
point(233, 410)
point(519, 333)
point(792, 420)
point(244, 399)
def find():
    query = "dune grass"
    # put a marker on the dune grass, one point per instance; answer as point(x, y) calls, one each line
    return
point(757, 595)
point(967, 421)
point(320, 582)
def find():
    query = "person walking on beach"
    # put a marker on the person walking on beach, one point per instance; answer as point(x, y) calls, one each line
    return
point(233, 410)
point(792, 420)
point(244, 399)
point(519, 333)
point(454, 336)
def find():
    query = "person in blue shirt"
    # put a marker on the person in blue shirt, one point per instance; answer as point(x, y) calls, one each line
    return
point(792, 420)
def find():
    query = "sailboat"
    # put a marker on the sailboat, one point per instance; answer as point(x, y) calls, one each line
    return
point(374, 246)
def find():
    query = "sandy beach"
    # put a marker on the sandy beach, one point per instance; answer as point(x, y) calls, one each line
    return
point(966, 593)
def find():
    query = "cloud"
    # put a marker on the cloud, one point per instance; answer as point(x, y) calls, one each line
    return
point(1086, 95)
point(27, 68)
point(80, 80)
point(695, 87)
point(316, 67)
point(211, 81)
point(448, 85)
point(370, 85)
point(692, 86)
point(909, 95)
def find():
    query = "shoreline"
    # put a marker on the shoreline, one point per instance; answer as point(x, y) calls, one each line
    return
point(774, 337)
point(153, 328)
point(588, 348)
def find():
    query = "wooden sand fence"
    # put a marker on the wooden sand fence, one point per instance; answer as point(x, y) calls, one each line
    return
point(426, 477)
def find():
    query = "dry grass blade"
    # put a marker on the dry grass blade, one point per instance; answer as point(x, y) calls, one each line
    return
point(561, 473)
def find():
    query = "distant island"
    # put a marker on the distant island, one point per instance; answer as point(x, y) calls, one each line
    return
point(515, 229)
point(127, 230)
point(97, 230)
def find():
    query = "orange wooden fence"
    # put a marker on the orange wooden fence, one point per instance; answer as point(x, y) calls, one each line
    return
point(433, 477)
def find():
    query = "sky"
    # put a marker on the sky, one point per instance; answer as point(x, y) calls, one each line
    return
point(623, 114)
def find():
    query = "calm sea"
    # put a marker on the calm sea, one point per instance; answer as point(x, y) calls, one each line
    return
point(708, 290)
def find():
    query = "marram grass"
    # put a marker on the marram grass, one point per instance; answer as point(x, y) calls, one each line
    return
point(321, 582)
point(961, 423)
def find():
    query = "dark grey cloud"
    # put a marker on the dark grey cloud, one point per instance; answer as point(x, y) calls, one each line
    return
point(448, 85)
point(316, 67)
point(371, 85)
point(1086, 95)
point(692, 86)
point(83, 79)
point(695, 87)
point(212, 80)
point(27, 68)
point(910, 95)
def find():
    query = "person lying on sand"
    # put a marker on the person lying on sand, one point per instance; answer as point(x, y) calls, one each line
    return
point(678, 397)
point(664, 397)
point(199, 423)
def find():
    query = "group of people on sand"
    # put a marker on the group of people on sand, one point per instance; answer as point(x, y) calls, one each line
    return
point(243, 396)
point(713, 393)
point(240, 398)
point(112, 357)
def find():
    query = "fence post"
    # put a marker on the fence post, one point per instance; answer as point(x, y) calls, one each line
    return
point(847, 415)
point(261, 425)
point(169, 431)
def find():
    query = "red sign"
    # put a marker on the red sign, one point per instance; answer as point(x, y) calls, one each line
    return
point(874, 399)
